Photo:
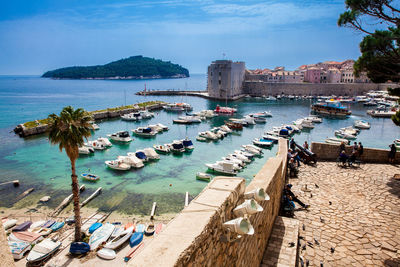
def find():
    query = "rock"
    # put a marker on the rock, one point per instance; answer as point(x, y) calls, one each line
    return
point(45, 199)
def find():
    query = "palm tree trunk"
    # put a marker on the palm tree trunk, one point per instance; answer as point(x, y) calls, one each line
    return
point(75, 193)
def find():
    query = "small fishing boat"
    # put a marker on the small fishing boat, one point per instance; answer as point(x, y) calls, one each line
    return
point(120, 239)
point(361, 124)
point(9, 223)
point(252, 149)
point(203, 176)
point(177, 147)
point(224, 110)
point(150, 229)
point(94, 227)
point(201, 139)
point(42, 231)
point(164, 149)
point(337, 141)
point(84, 150)
point(135, 239)
point(271, 137)
point(90, 177)
point(100, 235)
point(223, 167)
point(57, 226)
point(106, 253)
point(49, 223)
point(122, 136)
point(234, 125)
point(26, 236)
point(129, 117)
point(181, 121)
point(22, 227)
point(79, 248)
point(262, 142)
point(144, 132)
point(19, 248)
point(187, 144)
point(345, 135)
point(117, 165)
point(43, 250)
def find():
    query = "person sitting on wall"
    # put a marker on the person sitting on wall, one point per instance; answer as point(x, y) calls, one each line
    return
point(342, 147)
point(294, 156)
point(291, 196)
point(352, 158)
point(305, 145)
point(292, 168)
point(343, 157)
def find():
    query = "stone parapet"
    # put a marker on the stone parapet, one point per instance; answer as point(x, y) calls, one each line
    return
point(193, 238)
point(330, 152)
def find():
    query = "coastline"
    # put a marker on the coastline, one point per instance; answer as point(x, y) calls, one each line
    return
point(177, 76)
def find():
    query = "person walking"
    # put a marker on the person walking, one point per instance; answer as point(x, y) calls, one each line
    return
point(360, 149)
point(392, 153)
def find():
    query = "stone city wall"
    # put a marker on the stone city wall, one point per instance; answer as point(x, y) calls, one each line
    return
point(193, 238)
point(330, 152)
point(259, 88)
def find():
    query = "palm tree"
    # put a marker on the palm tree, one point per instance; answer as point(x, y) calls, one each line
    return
point(69, 131)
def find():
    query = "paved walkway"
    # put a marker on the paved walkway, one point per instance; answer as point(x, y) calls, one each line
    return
point(282, 244)
point(354, 218)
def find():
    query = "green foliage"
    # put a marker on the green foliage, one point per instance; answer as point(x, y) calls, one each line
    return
point(380, 51)
point(134, 67)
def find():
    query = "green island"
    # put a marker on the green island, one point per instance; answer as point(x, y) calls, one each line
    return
point(35, 123)
point(135, 67)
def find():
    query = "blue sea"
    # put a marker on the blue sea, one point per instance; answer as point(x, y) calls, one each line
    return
point(42, 166)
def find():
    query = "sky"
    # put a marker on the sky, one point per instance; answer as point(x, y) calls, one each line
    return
point(41, 35)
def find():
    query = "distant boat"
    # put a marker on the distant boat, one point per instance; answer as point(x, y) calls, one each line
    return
point(203, 176)
point(330, 107)
point(122, 136)
point(90, 177)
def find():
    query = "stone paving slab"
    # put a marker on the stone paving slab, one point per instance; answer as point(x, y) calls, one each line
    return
point(354, 217)
point(279, 252)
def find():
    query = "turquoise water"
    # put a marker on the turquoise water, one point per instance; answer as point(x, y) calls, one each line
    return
point(38, 164)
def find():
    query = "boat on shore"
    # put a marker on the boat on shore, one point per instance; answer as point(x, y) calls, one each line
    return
point(43, 250)
point(100, 235)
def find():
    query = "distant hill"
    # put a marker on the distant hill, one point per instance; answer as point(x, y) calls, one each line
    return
point(136, 67)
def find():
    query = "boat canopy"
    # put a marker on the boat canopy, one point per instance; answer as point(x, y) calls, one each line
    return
point(147, 130)
point(289, 128)
point(123, 134)
point(177, 145)
point(140, 155)
point(284, 132)
point(187, 143)
point(137, 114)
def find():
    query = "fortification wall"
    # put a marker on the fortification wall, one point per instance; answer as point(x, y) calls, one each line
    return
point(193, 238)
point(259, 88)
point(330, 152)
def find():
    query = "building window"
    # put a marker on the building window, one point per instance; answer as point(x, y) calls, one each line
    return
point(219, 73)
point(219, 82)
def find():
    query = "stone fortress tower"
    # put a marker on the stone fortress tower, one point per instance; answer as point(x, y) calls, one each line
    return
point(225, 79)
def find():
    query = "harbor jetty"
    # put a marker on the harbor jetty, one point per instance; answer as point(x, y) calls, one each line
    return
point(172, 92)
point(40, 126)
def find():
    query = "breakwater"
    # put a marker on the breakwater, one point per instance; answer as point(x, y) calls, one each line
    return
point(330, 152)
point(40, 127)
point(203, 94)
point(196, 236)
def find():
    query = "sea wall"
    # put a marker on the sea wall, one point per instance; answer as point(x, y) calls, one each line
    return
point(196, 236)
point(259, 88)
point(330, 152)
point(23, 131)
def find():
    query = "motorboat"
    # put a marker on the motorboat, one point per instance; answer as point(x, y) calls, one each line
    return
point(314, 118)
point(225, 128)
point(131, 160)
point(260, 119)
point(350, 130)
point(270, 98)
point(201, 139)
point(273, 138)
point(144, 131)
point(100, 144)
point(307, 124)
point(234, 160)
point(370, 103)
point(104, 141)
point(262, 142)
point(139, 154)
point(117, 165)
point(85, 150)
point(95, 126)
point(203, 176)
point(345, 135)
point(263, 114)
point(122, 136)
point(338, 141)
point(361, 124)
point(240, 121)
point(241, 157)
point(234, 125)
point(224, 110)
point(43, 250)
point(162, 126)
point(90, 177)
point(381, 113)
point(177, 147)
point(292, 128)
point(145, 114)
point(223, 167)
point(190, 119)
point(253, 149)
point(208, 135)
point(188, 144)
point(151, 154)
point(162, 148)
point(235, 166)
point(177, 107)
point(155, 128)
point(129, 117)
point(244, 153)
point(250, 120)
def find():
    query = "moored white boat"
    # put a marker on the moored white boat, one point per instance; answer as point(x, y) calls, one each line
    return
point(122, 136)
point(188, 144)
point(177, 147)
point(162, 148)
point(334, 140)
point(263, 142)
point(131, 160)
point(361, 124)
point(344, 134)
point(151, 154)
point(117, 165)
point(144, 131)
point(85, 150)
point(224, 168)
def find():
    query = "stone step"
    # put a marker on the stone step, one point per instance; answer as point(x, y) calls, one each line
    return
point(279, 251)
